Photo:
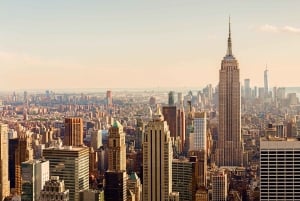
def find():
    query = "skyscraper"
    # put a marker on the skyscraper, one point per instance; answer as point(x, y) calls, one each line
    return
point(34, 175)
point(54, 188)
point(109, 100)
point(4, 182)
point(116, 176)
point(200, 131)
point(71, 164)
point(247, 88)
point(266, 85)
point(229, 146)
point(157, 160)
point(219, 185)
point(279, 169)
point(73, 132)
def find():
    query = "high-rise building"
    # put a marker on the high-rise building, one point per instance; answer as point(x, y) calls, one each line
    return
point(279, 169)
point(266, 85)
point(170, 116)
point(200, 129)
point(219, 185)
point(71, 164)
point(73, 131)
point(54, 189)
point(13, 144)
point(184, 178)
point(157, 160)
point(109, 100)
point(135, 186)
point(4, 181)
point(229, 145)
point(24, 152)
point(247, 88)
point(34, 175)
point(171, 98)
point(116, 176)
point(181, 126)
point(92, 195)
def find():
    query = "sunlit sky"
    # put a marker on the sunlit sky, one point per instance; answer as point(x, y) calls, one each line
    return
point(53, 44)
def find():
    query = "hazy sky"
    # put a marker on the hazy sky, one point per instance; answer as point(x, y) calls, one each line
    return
point(137, 43)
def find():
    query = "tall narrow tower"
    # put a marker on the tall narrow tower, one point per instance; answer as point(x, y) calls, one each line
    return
point(229, 146)
point(266, 85)
point(157, 160)
point(116, 176)
point(4, 182)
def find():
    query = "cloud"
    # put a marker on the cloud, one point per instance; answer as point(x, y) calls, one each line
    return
point(279, 29)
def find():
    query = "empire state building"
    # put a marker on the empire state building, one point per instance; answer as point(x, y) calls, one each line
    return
point(229, 145)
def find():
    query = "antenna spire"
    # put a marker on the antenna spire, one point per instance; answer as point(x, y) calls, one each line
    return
point(229, 43)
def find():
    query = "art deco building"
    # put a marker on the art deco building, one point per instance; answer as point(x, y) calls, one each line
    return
point(116, 176)
point(4, 182)
point(157, 160)
point(280, 169)
point(71, 164)
point(73, 132)
point(54, 189)
point(229, 146)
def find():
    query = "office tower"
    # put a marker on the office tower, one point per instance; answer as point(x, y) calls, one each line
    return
point(266, 85)
point(247, 88)
point(109, 100)
point(171, 99)
point(200, 129)
point(139, 131)
point(229, 145)
point(92, 195)
point(135, 186)
point(96, 139)
point(34, 175)
point(24, 152)
point(219, 186)
point(170, 116)
point(13, 144)
point(115, 176)
point(73, 131)
point(181, 126)
point(279, 169)
point(54, 189)
point(179, 99)
point(201, 194)
point(184, 178)
point(200, 157)
point(4, 181)
point(71, 164)
point(157, 160)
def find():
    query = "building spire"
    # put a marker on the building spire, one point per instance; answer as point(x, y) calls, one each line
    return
point(229, 44)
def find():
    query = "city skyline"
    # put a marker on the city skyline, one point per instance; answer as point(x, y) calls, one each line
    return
point(81, 44)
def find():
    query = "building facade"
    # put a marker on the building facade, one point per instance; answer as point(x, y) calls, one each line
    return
point(54, 189)
point(280, 169)
point(4, 181)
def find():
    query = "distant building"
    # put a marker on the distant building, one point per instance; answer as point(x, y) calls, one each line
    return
point(134, 185)
point(71, 164)
point(54, 189)
point(4, 181)
point(109, 99)
point(279, 169)
point(34, 175)
point(170, 116)
point(200, 128)
point(266, 84)
point(157, 160)
point(73, 131)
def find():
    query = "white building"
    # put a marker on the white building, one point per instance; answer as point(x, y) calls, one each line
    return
point(199, 140)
